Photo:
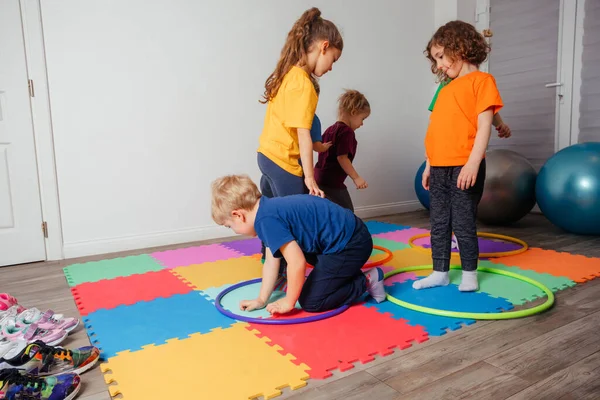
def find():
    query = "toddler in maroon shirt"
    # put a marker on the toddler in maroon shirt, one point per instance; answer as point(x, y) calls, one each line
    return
point(335, 164)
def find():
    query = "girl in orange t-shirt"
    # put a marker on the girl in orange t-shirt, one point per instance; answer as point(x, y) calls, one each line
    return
point(457, 137)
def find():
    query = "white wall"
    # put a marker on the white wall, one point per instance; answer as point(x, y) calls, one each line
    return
point(151, 101)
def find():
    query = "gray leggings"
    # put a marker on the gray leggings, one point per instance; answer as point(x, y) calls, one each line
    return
point(453, 209)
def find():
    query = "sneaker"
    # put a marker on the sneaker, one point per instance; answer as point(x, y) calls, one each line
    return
point(7, 301)
point(43, 360)
point(375, 285)
point(16, 386)
point(46, 320)
point(31, 333)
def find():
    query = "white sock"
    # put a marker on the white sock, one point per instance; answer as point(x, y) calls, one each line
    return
point(375, 285)
point(435, 279)
point(469, 282)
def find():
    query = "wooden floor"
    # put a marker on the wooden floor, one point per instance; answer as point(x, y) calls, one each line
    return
point(551, 356)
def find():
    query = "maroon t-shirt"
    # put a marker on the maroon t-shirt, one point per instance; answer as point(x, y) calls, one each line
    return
point(328, 171)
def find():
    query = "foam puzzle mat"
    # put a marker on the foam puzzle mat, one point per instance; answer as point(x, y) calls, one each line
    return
point(154, 319)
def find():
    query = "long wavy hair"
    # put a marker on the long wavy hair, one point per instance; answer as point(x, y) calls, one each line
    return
point(308, 29)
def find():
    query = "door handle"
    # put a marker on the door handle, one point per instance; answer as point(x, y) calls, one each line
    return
point(555, 84)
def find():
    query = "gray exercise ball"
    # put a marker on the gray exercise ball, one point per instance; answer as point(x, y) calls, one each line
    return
point(509, 191)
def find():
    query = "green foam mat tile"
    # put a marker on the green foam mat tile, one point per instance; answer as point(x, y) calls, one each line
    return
point(388, 244)
point(95, 271)
point(555, 283)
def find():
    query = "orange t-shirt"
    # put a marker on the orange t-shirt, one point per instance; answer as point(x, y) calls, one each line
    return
point(453, 122)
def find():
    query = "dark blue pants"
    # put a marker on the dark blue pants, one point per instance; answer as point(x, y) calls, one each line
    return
point(337, 279)
point(277, 182)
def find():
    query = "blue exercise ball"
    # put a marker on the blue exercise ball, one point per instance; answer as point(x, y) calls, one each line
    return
point(422, 194)
point(568, 189)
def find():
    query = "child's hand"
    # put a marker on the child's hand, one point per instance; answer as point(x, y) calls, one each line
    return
point(467, 176)
point(360, 183)
point(313, 188)
point(425, 177)
point(249, 305)
point(503, 130)
point(280, 306)
point(326, 146)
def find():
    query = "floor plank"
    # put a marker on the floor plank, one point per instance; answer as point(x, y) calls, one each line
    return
point(543, 355)
point(479, 381)
point(358, 386)
point(572, 382)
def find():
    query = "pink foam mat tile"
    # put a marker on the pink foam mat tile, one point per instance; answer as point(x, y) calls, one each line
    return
point(403, 277)
point(403, 235)
point(194, 255)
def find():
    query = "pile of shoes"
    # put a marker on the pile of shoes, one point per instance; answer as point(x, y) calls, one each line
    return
point(32, 366)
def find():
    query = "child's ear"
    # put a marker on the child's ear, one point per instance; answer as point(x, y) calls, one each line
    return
point(324, 46)
point(240, 214)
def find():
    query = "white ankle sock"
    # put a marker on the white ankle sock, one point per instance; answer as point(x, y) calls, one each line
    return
point(469, 282)
point(435, 279)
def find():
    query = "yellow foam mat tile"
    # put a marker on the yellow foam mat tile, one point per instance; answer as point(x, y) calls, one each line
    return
point(227, 363)
point(219, 273)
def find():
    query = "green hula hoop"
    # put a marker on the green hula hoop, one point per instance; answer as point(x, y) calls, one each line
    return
point(470, 315)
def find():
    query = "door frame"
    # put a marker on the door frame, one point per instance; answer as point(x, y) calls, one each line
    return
point(33, 36)
point(570, 33)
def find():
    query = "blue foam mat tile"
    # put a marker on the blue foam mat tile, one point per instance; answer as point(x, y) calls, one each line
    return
point(446, 298)
point(434, 325)
point(449, 298)
point(376, 227)
point(153, 322)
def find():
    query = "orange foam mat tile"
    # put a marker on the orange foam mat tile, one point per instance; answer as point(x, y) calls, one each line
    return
point(575, 267)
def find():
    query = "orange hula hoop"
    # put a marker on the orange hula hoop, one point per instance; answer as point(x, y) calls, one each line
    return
point(372, 264)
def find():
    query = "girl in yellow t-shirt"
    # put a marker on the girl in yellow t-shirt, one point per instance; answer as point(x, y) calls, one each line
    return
point(312, 46)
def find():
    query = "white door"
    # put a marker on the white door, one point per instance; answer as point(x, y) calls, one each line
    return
point(525, 62)
point(21, 235)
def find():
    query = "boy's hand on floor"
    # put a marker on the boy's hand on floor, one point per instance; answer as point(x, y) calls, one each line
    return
point(280, 306)
point(249, 305)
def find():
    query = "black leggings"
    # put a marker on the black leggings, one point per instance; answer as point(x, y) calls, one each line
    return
point(452, 209)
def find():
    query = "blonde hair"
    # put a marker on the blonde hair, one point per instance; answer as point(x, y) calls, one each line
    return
point(308, 29)
point(352, 102)
point(232, 192)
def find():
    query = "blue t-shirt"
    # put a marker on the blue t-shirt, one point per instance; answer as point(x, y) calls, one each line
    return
point(315, 130)
point(318, 225)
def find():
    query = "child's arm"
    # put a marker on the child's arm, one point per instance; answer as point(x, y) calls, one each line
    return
point(501, 127)
point(296, 268)
point(306, 155)
point(468, 173)
point(321, 147)
point(348, 168)
point(270, 271)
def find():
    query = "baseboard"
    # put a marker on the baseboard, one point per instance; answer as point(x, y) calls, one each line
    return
point(388, 209)
point(126, 243)
point(136, 242)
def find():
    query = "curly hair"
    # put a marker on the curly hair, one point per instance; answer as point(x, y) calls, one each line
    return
point(309, 28)
point(352, 102)
point(460, 41)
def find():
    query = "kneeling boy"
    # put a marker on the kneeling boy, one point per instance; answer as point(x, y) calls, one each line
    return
point(300, 228)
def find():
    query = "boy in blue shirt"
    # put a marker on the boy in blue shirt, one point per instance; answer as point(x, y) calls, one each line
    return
point(300, 228)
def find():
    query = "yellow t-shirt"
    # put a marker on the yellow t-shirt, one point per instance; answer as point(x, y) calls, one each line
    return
point(453, 121)
point(293, 107)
